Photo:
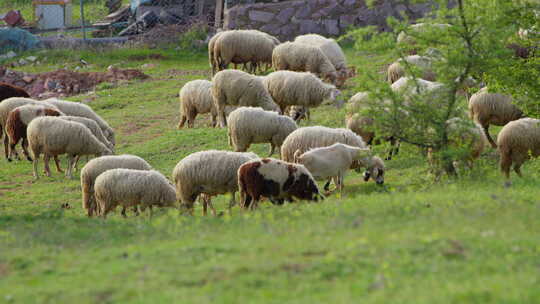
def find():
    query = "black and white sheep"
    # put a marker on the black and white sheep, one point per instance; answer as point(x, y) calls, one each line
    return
point(132, 188)
point(208, 173)
point(237, 88)
point(254, 125)
point(306, 138)
point(333, 162)
point(276, 180)
point(53, 136)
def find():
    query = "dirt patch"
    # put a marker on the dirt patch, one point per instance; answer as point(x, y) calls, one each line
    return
point(147, 57)
point(176, 72)
point(61, 83)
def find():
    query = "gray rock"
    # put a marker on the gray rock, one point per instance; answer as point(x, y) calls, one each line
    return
point(303, 12)
point(285, 15)
point(31, 58)
point(261, 16)
point(11, 54)
point(346, 20)
point(23, 62)
point(309, 26)
point(331, 27)
point(271, 28)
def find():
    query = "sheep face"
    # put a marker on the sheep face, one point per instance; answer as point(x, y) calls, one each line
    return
point(304, 188)
point(375, 172)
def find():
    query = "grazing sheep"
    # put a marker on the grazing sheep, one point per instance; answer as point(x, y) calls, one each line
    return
point(17, 122)
point(467, 137)
point(211, 44)
point(306, 138)
point(396, 70)
point(255, 125)
point(237, 88)
point(132, 188)
point(6, 107)
point(210, 173)
point(94, 128)
point(408, 87)
point(416, 30)
point(242, 47)
point(196, 98)
point(518, 141)
point(492, 109)
point(96, 166)
point(54, 136)
point(78, 109)
point(277, 180)
point(289, 88)
point(303, 58)
point(8, 91)
point(332, 161)
point(333, 51)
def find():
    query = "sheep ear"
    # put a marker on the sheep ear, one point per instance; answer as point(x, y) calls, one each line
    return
point(297, 156)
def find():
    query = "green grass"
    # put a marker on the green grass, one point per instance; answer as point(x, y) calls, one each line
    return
point(470, 240)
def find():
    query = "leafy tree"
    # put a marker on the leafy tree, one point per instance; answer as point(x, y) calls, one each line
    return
point(473, 45)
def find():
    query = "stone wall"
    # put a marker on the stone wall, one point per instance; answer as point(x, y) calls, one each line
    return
point(327, 17)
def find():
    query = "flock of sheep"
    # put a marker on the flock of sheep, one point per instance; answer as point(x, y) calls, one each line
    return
point(255, 109)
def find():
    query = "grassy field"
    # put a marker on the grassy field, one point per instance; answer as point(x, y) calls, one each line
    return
point(466, 240)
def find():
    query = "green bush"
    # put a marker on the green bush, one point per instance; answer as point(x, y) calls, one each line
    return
point(193, 38)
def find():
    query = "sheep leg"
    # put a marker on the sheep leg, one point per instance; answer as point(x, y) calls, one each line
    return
point(182, 122)
point(491, 141)
point(209, 203)
point(232, 202)
point(35, 165)
point(46, 158)
point(71, 164)
point(506, 163)
point(123, 212)
point(6, 147)
point(272, 148)
point(25, 149)
point(57, 162)
point(214, 120)
point(75, 165)
point(327, 185)
point(202, 200)
point(517, 169)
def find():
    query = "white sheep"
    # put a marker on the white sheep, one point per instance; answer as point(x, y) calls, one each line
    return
point(306, 138)
point(518, 141)
point(303, 58)
point(211, 58)
point(210, 173)
point(132, 188)
point(466, 139)
point(242, 47)
point(255, 125)
point(196, 98)
point(98, 165)
point(333, 51)
point(332, 162)
point(6, 107)
point(78, 109)
point(237, 88)
point(416, 30)
point(492, 109)
point(397, 69)
point(94, 128)
point(54, 136)
point(289, 88)
point(362, 125)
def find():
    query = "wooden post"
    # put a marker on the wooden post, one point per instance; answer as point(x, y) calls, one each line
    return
point(219, 13)
point(200, 8)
